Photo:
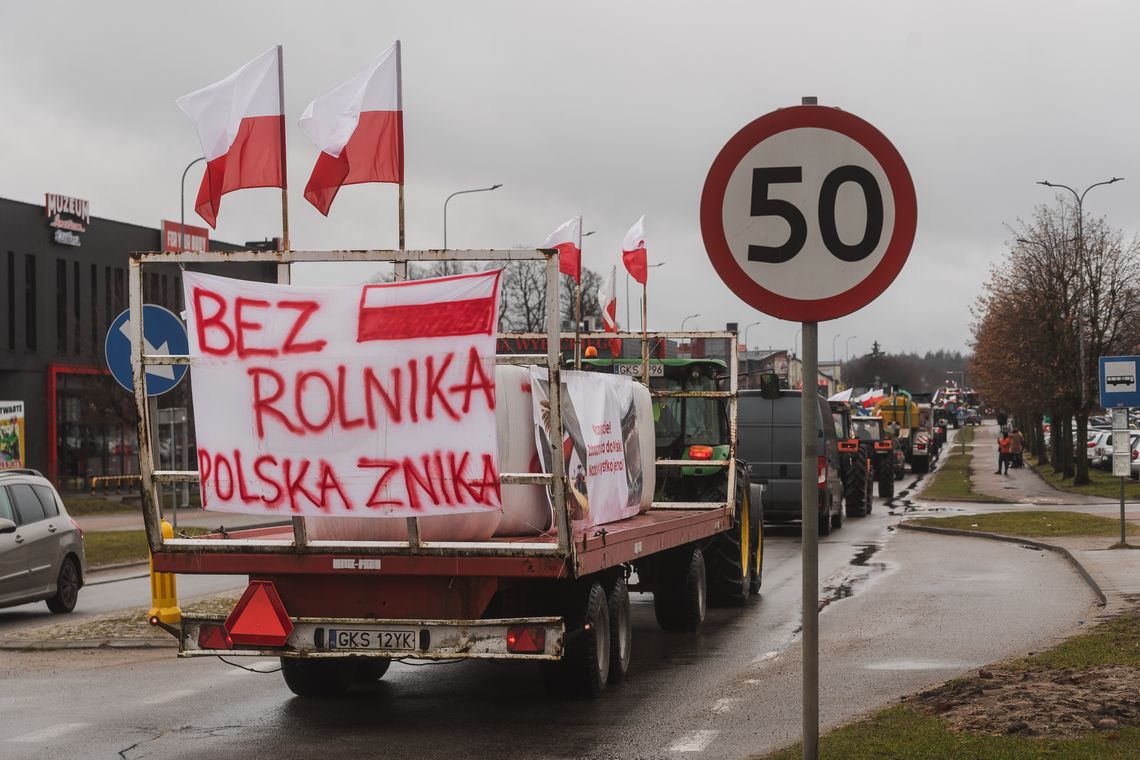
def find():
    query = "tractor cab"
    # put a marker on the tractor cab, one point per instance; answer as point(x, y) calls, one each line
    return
point(693, 428)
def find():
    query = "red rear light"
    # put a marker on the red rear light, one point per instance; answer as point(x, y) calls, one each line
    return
point(259, 617)
point(214, 636)
point(822, 481)
point(1091, 444)
point(526, 639)
point(76, 526)
point(1135, 454)
point(700, 452)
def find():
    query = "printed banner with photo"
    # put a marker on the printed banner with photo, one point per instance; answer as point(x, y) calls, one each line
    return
point(372, 400)
point(600, 443)
point(11, 435)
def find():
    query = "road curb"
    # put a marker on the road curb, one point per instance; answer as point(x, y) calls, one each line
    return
point(1081, 570)
point(36, 645)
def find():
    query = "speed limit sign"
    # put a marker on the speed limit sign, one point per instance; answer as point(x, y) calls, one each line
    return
point(808, 213)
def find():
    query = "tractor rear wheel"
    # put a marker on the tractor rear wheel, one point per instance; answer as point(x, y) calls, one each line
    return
point(855, 488)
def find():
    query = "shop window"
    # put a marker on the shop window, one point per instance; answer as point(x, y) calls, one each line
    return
point(94, 310)
point(11, 301)
point(76, 299)
point(60, 306)
point(30, 302)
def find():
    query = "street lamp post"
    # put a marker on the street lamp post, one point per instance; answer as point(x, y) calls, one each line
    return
point(1080, 199)
point(647, 266)
point(847, 346)
point(833, 339)
point(746, 329)
point(686, 319)
point(461, 192)
point(182, 205)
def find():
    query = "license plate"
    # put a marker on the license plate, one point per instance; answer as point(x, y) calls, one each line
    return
point(348, 638)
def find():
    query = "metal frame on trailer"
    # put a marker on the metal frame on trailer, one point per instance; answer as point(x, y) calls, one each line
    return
point(558, 552)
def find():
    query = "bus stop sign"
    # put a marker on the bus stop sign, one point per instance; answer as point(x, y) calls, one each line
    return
point(1118, 381)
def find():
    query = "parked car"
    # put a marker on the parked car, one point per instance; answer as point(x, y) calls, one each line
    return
point(973, 417)
point(41, 547)
point(1099, 449)
point(769, 440)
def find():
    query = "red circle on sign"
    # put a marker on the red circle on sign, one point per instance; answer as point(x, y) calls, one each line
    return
point(859, 294)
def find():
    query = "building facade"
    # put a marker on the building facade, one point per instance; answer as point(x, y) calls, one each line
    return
point(63, 280)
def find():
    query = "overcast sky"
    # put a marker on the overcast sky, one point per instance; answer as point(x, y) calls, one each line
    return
point(609, 109)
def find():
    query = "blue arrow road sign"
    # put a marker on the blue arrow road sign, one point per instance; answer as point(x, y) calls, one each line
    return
point(163, 333)
point(1118, 375)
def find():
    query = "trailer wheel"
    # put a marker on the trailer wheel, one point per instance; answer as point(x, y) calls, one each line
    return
point(371, 669)
point(318, 677)
point(730, 556)
point(920, 465)
point(585, 664)
point(680, 595)
point(621, 628)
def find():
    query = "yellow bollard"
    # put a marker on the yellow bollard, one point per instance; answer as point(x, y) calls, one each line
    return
point(163, 591)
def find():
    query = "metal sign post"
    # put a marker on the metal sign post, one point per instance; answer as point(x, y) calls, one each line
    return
point(808, 214)
point(809, 539)
point(1119, 391)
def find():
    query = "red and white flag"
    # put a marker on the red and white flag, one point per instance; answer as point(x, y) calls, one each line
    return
point(359, 127)
point(241, 125)
point(633, 251)
point(607, 299)
point(462, 304)
point(567, 238)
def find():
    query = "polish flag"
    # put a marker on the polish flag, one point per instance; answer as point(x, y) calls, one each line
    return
point(567, 238)
point(241, 125)
point(633, 251)
point(464, 304)
point(607, 298)
point(359, 127)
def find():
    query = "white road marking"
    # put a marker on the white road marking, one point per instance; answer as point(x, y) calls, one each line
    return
point(49, 733)
point(765, 657)
point(169, 696)
point(724, 705)
point(694, 741)
point(752, 681)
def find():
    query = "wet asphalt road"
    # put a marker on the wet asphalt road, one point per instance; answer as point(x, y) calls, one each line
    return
point(902, 611)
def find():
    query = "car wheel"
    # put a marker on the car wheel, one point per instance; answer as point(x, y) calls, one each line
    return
point(66, 587)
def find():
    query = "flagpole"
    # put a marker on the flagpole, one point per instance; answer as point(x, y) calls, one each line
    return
point(283, 269)
point(645, 329)
point(400, 268)
point(300, 533)
point(578, 304)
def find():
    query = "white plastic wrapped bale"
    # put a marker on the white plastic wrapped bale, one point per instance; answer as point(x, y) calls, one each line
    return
point(525, 508)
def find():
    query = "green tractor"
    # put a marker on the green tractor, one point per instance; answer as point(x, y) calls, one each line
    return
point(697, 430)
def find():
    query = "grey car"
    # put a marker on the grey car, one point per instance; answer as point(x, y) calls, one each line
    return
point(41, 547)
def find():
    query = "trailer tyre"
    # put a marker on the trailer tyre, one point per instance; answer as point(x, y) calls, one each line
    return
point(318, 677)
point(585, 665)
point(621, 628)
point(371, 669)
point(680, 596)
point(920, 465)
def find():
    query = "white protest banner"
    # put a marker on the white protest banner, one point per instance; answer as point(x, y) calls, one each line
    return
point(367, 400)
point(601, 443)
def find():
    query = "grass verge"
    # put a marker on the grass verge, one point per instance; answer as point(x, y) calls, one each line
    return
point(82, 506)
point(909, 732)
point(1034, 523)
point(112, 547)
point(904, 733)
point(951, 482)
point(1101, 483)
